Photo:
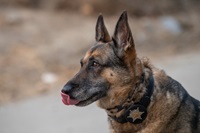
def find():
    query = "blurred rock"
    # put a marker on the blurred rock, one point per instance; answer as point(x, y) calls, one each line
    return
point(87, 9)
point(13, 18)
point(49, 78)
point(170, 24)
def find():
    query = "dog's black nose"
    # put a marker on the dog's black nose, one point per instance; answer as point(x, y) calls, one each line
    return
point(68, 87)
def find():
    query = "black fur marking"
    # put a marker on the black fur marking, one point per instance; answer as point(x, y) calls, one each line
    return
point(195, 120)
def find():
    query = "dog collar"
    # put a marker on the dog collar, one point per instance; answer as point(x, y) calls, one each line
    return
point(136, 113)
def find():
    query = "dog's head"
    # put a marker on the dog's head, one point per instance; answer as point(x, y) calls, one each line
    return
point(108, 69)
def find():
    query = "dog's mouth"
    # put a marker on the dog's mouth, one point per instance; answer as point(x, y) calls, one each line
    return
point(67, 100)
point(70, 101)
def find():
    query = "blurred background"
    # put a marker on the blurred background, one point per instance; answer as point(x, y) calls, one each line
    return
point(42, 41)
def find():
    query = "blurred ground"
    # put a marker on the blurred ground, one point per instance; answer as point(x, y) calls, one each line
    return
point(41, 44)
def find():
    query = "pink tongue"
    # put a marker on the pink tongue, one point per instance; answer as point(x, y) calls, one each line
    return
point(67, 101)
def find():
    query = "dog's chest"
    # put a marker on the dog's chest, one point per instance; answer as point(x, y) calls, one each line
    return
point(125, 128)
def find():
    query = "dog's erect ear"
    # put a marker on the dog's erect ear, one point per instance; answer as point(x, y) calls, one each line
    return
point(102, 34)
point(123, 37)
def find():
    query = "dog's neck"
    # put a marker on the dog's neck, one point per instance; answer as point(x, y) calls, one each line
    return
point(131, 111)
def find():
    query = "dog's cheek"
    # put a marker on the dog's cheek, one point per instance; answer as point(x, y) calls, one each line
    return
point(116, 78)
point(110, 76)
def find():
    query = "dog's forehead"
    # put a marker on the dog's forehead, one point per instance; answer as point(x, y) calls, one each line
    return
point(99, 50)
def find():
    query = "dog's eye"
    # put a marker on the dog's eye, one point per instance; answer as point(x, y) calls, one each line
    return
point(95, 64)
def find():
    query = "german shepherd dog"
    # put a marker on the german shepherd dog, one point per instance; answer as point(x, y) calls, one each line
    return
point(138, 97)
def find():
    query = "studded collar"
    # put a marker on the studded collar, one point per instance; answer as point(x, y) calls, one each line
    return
point(136, 112)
